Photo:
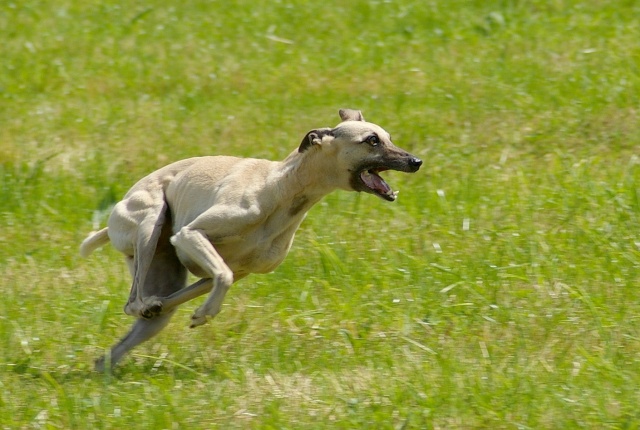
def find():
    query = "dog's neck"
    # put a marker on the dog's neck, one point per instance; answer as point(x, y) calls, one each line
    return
point(309, 172)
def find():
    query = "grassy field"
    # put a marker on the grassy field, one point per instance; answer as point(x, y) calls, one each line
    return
point(499, 291)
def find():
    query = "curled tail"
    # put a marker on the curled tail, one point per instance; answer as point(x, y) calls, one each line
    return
point(93, 241)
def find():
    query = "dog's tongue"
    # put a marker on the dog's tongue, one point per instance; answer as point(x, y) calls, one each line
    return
point(375, 182)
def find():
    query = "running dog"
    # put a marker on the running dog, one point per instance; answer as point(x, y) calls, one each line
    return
point(222, 218)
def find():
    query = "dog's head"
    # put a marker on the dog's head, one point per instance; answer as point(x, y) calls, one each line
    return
point(362, 150)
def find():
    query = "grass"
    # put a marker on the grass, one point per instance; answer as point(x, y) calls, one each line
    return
point(499, 291)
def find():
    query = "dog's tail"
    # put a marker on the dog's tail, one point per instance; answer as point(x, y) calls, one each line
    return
point(93, 241)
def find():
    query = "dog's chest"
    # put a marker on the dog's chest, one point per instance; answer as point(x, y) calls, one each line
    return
point(261, 247)
point(256, 253)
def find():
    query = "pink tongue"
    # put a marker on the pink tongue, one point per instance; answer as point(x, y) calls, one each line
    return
point(375, 182)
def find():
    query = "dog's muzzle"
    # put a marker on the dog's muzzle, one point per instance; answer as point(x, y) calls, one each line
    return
point(414, 164)
point(369, 179)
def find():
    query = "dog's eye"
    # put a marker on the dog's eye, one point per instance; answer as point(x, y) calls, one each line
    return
point(373, 140)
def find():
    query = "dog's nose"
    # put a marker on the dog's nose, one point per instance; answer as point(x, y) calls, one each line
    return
point(415, 163)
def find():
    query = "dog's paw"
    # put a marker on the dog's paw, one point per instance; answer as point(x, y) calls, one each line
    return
point(100, 365)
point(197, 320)
point(152, 308)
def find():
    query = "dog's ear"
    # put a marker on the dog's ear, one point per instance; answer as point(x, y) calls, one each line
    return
point(350, 115)
point(314, 137)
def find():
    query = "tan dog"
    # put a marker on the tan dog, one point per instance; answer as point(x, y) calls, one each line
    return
point(222, 218)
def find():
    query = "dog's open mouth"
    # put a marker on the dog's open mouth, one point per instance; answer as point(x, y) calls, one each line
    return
point(372, 180)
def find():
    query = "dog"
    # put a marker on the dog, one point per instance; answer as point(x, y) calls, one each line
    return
point(222, 218)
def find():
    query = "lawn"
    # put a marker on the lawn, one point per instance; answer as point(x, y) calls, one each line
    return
point(499, 291)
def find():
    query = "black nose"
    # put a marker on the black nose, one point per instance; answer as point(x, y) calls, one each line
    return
point(415, 163)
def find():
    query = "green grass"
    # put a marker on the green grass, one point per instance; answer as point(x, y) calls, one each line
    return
point(499, 291)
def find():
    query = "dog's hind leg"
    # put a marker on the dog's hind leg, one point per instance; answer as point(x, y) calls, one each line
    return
point(145, 250)
point(167, 279)
point(135, 227)
point(142, 330)
point(159, 305)
point(166, 275)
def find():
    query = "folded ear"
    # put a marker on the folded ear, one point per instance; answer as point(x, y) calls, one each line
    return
point(351, 115)
point(314, 137)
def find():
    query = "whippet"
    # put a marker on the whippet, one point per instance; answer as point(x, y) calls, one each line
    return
point(222, 218)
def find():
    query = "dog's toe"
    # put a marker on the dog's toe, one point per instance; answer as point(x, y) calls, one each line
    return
point(99, 364)
point(151, 309)
point(197, 320)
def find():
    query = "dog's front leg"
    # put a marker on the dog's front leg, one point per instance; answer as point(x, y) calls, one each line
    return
point(195, 244)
